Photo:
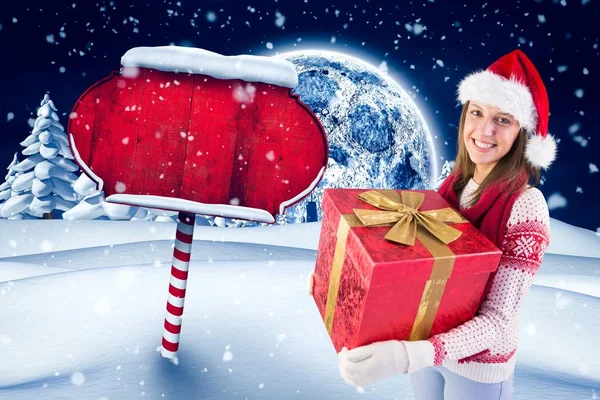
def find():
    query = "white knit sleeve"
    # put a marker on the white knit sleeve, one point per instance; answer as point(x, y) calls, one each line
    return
point(526, 239)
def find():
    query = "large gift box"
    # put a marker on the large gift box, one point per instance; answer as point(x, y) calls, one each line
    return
point(397, 265)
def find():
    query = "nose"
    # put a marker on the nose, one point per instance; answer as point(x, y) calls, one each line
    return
point(487, 127)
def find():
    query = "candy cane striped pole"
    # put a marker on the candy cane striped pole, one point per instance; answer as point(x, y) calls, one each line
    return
point(177, 284)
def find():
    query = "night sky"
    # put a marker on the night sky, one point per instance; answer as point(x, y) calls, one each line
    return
point(63, 47)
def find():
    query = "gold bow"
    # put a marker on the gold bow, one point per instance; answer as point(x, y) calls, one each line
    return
point(406, 216)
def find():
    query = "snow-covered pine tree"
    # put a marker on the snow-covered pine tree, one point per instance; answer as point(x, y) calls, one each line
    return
point(446, 170)
point(47, 174)
point(6, 187)
point(92, 205)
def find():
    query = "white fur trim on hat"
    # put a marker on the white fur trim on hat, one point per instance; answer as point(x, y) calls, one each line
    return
point(539, 151)
point(510, 96)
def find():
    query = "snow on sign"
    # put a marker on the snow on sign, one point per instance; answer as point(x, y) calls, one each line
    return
point(186, 129)
point(193, 131)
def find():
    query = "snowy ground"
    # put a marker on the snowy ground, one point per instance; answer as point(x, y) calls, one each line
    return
point(82, 306)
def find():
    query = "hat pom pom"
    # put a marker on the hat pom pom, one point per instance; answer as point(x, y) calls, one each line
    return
point(540, 152)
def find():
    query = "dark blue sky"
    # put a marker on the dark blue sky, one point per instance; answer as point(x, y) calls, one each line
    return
point(62, 47)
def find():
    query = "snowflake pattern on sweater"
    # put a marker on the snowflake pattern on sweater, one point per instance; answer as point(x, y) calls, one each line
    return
point(492, 335)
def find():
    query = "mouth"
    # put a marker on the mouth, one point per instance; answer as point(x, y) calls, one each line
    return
point(482, 146)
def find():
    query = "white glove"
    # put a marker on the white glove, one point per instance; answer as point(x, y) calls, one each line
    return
point(368, 364)
point(310, 283)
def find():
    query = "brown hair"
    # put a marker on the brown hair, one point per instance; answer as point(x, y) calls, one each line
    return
point(513, 172)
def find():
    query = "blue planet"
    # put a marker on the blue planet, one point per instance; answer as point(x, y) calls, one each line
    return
point(377, 136)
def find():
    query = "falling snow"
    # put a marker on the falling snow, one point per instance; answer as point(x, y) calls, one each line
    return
point(77, 378)
point(102, 306)
point(120, 187)
point(581, 140)
point(417, 29)
point(383, 66)
point(5, 340)
point(46, 245)
point(211, 16)
point(279, 19)
point(556, 200)
point(574, 128)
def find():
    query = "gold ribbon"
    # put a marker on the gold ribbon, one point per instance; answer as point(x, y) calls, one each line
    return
point(347, 221)
point(404, 212)
point(427, 226)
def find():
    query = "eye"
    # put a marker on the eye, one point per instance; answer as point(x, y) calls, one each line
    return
point(477, 113)
point(504, 121)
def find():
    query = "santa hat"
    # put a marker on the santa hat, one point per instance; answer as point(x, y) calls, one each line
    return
point(513, 85)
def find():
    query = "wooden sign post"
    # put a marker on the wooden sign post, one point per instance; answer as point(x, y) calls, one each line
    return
point(192, 131)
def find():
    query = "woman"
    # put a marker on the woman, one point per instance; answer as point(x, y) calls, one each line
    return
point(503, 143)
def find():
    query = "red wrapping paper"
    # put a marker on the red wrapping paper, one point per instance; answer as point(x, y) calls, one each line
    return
point(382, 282)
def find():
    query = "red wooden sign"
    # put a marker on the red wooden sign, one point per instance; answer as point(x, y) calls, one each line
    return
point(198, 138)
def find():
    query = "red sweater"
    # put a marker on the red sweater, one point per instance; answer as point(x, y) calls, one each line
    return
point(483, 349)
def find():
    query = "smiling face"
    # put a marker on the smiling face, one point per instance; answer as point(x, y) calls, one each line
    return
point(488, 135)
